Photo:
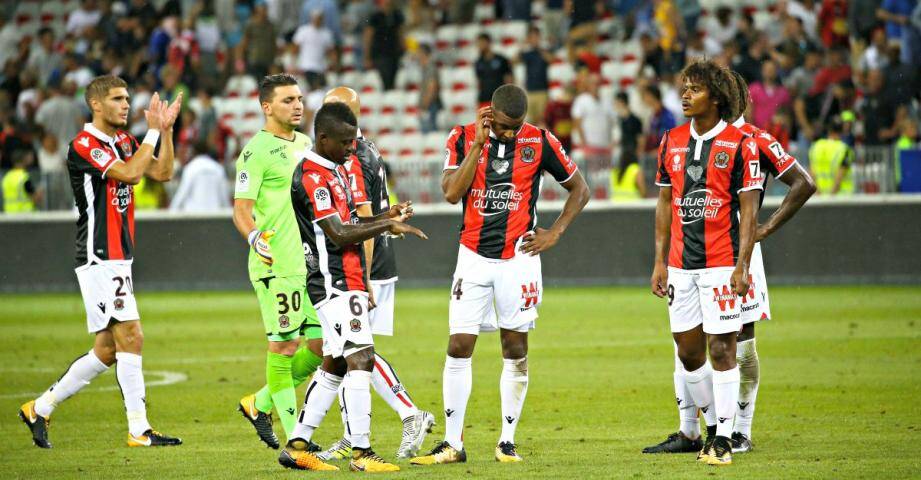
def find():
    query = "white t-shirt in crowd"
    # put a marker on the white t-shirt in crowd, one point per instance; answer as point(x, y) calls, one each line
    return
point(202, 187)
point(80, 19)
point(597, 120)
point(312, 43)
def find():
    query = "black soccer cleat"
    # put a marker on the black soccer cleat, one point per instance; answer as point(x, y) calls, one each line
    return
point(153, 438)
point(37, 424)
point(676, 443)
point(741, 443)
point(261, 421)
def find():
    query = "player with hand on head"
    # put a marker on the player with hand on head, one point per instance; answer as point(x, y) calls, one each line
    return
point(368, 181)
point(104, 162)
point(263, 215)
point(495, 166)
point(332, 233)
point(709, 177)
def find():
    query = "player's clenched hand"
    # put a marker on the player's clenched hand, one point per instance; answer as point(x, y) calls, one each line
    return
point(739, 281)
point(399, 228)
point(401, 212)
point(659, 281)
point(483, 122)
point(539, 240)
point(259, 240)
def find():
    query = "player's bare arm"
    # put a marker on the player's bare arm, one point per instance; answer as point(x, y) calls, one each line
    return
point(455, 183)
point(544, 239)
point(748, 207)
point(342, 234)
point(161, 167)
point(802, 186)
point(662, 238)
point(400, 212)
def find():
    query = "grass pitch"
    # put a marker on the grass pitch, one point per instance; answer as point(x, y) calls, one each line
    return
point(839, 389)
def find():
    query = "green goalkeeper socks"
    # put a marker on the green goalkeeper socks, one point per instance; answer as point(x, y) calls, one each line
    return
point(303, 364)
point(281, 387)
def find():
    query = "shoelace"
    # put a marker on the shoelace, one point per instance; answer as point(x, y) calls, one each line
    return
point(440, 448)
point(264, 429)
point(508, 449)
point(370, 455)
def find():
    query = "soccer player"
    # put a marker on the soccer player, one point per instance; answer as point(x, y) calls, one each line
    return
point(368, 183)
point(104, 162)
point(332, 233)
point(755, 306)
point(495, 167)
point(710, 177)
point(263, 214)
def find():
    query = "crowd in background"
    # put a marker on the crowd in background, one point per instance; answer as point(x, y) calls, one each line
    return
point(845, 71)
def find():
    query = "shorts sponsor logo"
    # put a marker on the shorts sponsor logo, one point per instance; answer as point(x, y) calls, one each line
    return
point(496, 199)
point(697, 205)
point(284, 321)
point(322, 199)
point(243, 181)
point(725, 298)
point(724, 143)
point(100, 156)
point(119, 304)
point(355, 325)
point(527, 154)
point(721, 160)
point(530, 294)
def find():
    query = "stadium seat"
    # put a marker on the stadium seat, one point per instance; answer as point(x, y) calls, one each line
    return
point(468, 34)
point(446, 37)
point(484, 13)
point(561, 73)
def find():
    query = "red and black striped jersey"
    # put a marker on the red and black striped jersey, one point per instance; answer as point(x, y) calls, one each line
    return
point(319, 190)
point(706, 174)
point(501, 204)
point(774, 159)
point(368, 182)
point(105, 227)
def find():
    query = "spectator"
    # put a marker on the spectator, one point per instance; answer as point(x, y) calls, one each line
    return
point(20, 193)
point(805, 12)
point(830, 162)
point(593, 118)
point(661, 119)
point(767, 95)
point(9, 38)
point(880, 111)
point(83, 18)
point(558, 117)
point(835, 70)
point(861, 21)
point(384, 43)
point(258, 44)
point(202, 185)
point(172, 86)
point(330, 16)
point(536, 61)
point(896, 14)
point(160, 39)
point(29, 97)
point(461, 11)
point(140, 99)
point(52, 157)
point(492, 70)
point(429, 90)
point(874, 57)
point(690, 12)
point(833, 23)
point(357, 15)
point(721, 26)
point(43, 58)
point(626, 179)
point(61, 114)
point(903, 81)
point(52, 154)
point(10, 80)
point(280, 15)
point(514, 10)
point(779, 128)
point(11, 139)
point(795, 43)
point(553, 23)
point(314, 44)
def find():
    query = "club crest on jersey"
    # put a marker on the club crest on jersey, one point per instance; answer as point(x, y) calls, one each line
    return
point(355, 325)
point(284, 321)
point(695, 171)
point(125, 147)
point(500, 166)
point(721, 160)
point(527, 155)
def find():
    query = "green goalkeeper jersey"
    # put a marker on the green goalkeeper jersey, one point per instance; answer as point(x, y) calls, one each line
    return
point(264, 171)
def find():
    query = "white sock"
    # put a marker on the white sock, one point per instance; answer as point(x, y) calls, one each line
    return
point(700, 385)
point(78, 375)
point(749, 376)
point(356, 396)
point(687, 410)
point(457, 381)
point(513, 387)
point(321, 393)
point(131, 380)
point(725, 396)
point(388, 386)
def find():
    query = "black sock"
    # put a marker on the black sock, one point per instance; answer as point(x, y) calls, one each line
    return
point(711, 430)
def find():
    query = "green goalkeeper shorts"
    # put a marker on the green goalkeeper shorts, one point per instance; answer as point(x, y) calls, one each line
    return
point(287, 313)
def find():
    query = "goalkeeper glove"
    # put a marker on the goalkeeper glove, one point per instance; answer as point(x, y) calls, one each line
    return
point(259, 240)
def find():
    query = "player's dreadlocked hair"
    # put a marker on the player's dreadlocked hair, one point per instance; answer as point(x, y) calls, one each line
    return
point(510, 100)
point(269, 82)
point(330, 115)
point(744, 97)
point(99, 87)
point(719, 83)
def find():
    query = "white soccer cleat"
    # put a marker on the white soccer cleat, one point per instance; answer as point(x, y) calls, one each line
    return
point(414, 430)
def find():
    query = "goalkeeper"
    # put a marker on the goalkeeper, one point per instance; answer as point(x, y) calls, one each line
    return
point(263, 214)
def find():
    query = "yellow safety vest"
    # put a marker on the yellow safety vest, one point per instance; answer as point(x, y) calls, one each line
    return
point(825, 158)
point(626, 188)
point(15, 197)
point(147, 194)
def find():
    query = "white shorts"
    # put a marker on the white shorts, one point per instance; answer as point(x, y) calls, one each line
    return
point(703, 296)
point(756, 305)
point(381, 316)
point(108, 294)
point(344, 318)
point(489, 294)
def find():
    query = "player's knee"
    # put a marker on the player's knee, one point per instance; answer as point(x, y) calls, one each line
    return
point(461, 347)
point(105, 354)
point(514, 350)
point(362, 359)
point(130, 337)
point(722, 354)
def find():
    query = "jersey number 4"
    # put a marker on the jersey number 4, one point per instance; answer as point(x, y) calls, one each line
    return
point(456, 291)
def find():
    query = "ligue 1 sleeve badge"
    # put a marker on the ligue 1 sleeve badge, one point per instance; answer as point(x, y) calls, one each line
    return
point(721, 160)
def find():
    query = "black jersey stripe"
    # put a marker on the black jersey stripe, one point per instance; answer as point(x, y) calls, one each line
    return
point(694, 255)
point(495, 220)
point(735, 183)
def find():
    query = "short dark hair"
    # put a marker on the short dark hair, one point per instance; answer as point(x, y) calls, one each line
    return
point(511, 100)
point(484, 36)
point(622, 97)
point(719, 83)
point(654, 92)
point(99, 87)
point(743, 99)
point(330, 115)
point(425, 48)
point(270, 82)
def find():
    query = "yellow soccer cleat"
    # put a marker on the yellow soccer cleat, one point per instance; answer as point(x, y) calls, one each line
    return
point(152, 438)
point(37, 424)
point(721, 452)
point(365, 460)
point(704, 454)
point(296, 456)
point(505, 453)
point(442, 453)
